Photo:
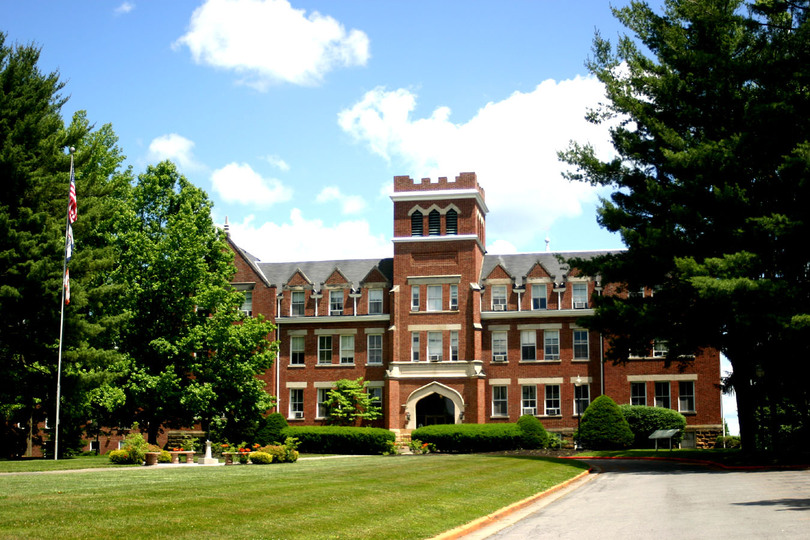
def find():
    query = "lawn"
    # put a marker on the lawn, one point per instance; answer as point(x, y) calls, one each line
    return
point(352, 497)
point(32, 465)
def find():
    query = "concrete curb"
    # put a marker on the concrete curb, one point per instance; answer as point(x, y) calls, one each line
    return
point(499, 515)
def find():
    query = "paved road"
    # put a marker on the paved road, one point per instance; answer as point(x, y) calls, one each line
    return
point(655, 499)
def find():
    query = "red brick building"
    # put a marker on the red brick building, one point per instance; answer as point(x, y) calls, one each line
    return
point(446, 333)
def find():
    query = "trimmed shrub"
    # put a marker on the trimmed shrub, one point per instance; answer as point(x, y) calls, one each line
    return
point(340, 439)
point(471, 437)
point(120, 457)
point(273, 426)
point(534, 434)
point(260, 458)
point(603, 427)
point(731, 441)
point(643, 420)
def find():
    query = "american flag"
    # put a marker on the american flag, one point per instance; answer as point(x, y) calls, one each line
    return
point(72, 209)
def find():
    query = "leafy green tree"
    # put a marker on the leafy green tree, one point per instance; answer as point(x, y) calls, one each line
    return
point(708, 104)
point(603, 427)
point(348, 402)
point(34, 170)
point(193, 356)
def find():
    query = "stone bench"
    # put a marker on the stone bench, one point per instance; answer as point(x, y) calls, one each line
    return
point(177, 453)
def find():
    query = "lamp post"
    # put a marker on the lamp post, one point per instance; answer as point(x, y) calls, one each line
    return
point(578, 405)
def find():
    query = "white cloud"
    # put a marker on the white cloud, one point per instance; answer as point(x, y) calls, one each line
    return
point(277, 162)
point(300, 239)
point(349, 204)
point(124, 8)
point(175, 148)
point(268, 41)
point(239, 183)
point(511, 144)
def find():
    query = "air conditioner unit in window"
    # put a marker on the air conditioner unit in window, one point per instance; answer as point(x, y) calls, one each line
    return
point(499, 358)
point(499, 307)
point(580, 305)
point(529, 410)
point(247, 312)
point(552, 412)
point(435, 357)
point(298, 414)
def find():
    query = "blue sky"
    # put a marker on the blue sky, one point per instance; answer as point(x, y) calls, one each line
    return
point(295, 116)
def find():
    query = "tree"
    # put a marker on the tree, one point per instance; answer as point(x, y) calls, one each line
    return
point(603, 426)
point(711, 196)
point(34, 170)
point(192, 355)
point(348, 402)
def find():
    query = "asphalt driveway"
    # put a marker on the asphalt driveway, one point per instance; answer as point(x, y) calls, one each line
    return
point(631, 499)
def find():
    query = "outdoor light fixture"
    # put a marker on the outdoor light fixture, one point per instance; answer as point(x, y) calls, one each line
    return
point(407, 416)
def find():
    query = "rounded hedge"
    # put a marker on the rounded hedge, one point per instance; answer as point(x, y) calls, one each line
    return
point(643, 420)
point(260, 458)
point(534, 435)
point(120, 457)
point(603, 426)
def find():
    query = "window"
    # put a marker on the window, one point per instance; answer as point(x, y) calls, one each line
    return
point(638, 393)
point(662, 394)
point(347, 349)
point(435, 346)
point(582, 398)
point(660, 349)
point(296, 403)
point(528, 345)
point(375, 301)
point(434, 298)
point(417, 224)
point(499, 298)
point(247, 303)
point(414, 346)
point(375, 395)
point(322, 411)
point(414, 297)
point(297, 304)
point(336, 302)
point(551, 342)
point(552, 400)
point(580, 344)
point(454, 345)
point(686, 396)
point(324, 349)
point(297, 344)
point(529, 401)
point(434, 223)
point(454, 297)
point(580, 295)
point(451, 222)
point(499, 346)
point(375, 349)
point(499, 401)
point(539, 295)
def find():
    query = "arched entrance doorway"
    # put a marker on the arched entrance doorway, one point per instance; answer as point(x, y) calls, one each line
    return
point(434, 403)
point(435, 409)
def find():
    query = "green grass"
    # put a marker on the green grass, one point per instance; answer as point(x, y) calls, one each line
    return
point(359, 497)
point(37, 465)
point(717, 455)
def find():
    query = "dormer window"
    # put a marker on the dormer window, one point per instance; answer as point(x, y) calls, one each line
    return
point(297, 304)
point(499, 298)
point(416, 224)
point(336, 302)
point(375, 301)
point(434, 223)
point(580, 296)
point(451, 222)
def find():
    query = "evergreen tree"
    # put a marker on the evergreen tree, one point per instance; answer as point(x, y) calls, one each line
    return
point(188, 359)
point(34, 169)
point(709, 104)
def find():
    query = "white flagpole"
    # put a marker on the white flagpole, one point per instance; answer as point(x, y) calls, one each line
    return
point(62, 323)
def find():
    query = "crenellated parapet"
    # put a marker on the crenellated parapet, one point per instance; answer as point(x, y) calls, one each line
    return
point(467, 180)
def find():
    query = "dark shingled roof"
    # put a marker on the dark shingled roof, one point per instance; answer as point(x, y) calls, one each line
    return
point(318, 272)
point(519, 264)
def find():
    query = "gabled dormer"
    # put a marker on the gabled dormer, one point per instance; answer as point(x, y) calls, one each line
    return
point(498, 290)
